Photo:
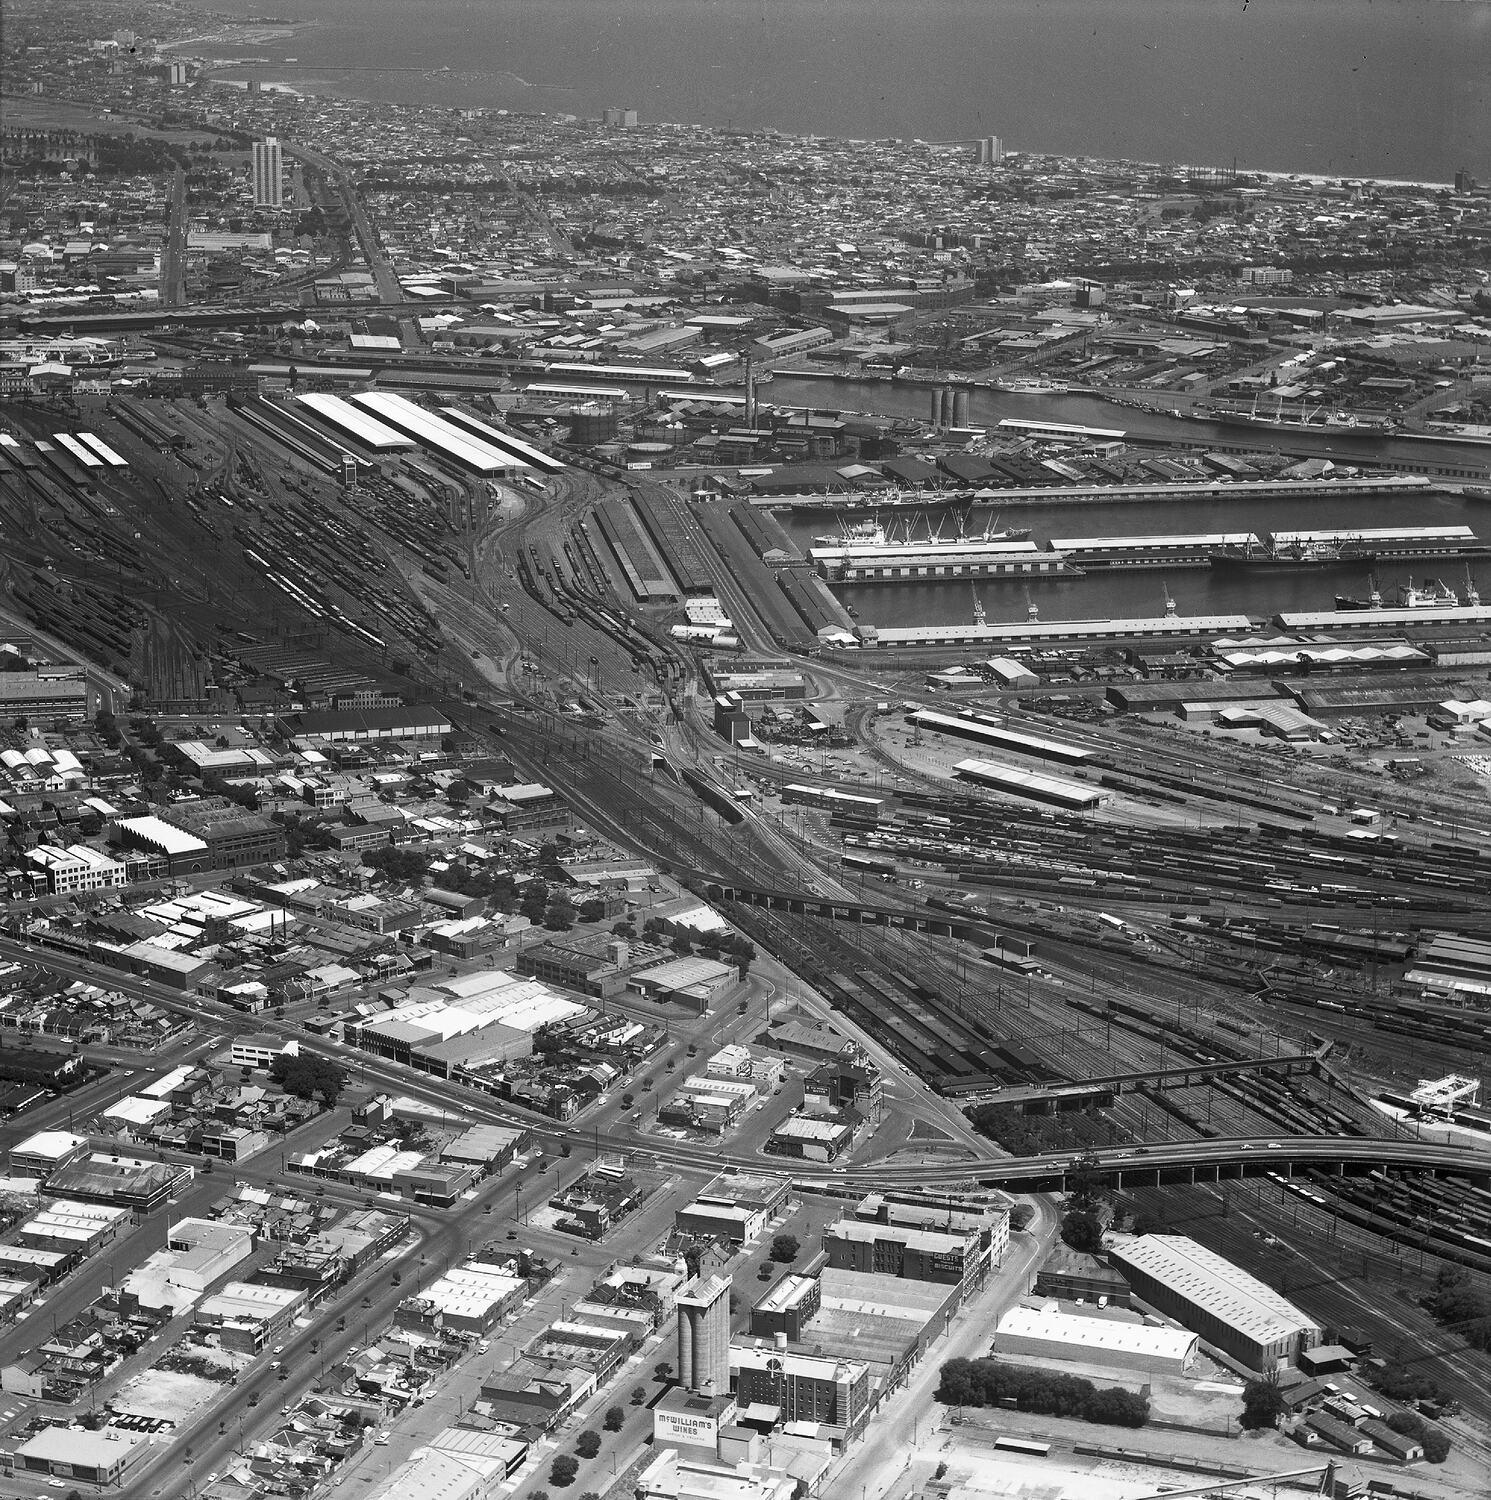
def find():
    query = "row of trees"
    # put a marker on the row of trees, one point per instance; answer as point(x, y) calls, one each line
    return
point(987, 1382)
point(1460, 1299)
point(564, 1469)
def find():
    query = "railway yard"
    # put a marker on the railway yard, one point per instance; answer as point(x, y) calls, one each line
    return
point(1126, 932)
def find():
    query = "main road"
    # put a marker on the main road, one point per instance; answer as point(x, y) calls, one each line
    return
point(1203, 1160)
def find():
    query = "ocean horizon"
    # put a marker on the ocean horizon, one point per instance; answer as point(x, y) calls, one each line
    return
point(1392, 89)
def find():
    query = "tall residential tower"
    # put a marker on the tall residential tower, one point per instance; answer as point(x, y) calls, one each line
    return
point(267, 190)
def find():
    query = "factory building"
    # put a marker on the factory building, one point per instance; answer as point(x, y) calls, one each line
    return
point(953, 1258)
point(773, 1384)
point(1235, 1313)
point(1047, 1333)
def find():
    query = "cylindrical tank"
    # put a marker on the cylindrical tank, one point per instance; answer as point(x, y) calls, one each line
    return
point(936, 416)
point(591, 424)
point(960, 408)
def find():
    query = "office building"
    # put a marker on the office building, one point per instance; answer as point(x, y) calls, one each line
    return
point(704, 1336)
point(268, 192)
point(990, 151)
point(1236, 1314)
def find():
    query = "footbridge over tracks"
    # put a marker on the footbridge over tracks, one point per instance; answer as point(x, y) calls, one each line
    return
point(1191, 1162)
point(1039, 1098)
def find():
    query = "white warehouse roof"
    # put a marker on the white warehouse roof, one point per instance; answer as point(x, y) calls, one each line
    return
point(1108, 1335)
point(1209, 1281)
point(366, 429)
point(436, 433)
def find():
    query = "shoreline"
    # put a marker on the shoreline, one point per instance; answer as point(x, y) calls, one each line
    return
point(216, 71)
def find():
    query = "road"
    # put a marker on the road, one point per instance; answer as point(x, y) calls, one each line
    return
point(879, 1465)
point(173, 251)
point(389, 290)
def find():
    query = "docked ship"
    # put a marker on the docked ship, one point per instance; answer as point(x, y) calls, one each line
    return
point(873, 534)
point(1032, 387)
point(1370, 544)
point(1372, 601)
point(1317, 421)
point(1267, 553)
point(1435, 593)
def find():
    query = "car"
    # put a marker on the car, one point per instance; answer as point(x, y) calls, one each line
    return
point(1275, 1146)
point(279, 1348)
point(56, 1484)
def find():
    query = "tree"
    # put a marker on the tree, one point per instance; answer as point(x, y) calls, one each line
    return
point(1083, 1231)
point(663, 1370)
point(1087, 1181)
point(563, 1470)
point(1263, 1404)
point(639, 1394)
point(1435, 1443)
point(1021, 1215)
point(615, 1419)
point(785, 1249)
point(588, 1444)
point(308, 1076)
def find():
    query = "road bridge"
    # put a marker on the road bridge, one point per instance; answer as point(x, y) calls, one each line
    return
point(1189, 1162)
point(1185, 1162)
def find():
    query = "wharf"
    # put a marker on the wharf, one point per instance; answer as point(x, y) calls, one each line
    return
point(898, 562)
point(1137, 553)
point(1054, 632)
point(1358, 486)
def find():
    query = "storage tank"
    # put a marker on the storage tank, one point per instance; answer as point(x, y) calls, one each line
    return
point(960, 409)
point(591, 424)
point(936, 414)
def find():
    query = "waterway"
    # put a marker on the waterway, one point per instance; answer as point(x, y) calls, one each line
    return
point(1258, 592)
point(1382, 88)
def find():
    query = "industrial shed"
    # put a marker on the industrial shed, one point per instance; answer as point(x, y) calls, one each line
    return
point(1054, 790)
point(1047, 1333)
point(1235, 1313)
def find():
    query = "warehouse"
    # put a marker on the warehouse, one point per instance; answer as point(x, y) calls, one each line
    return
point(1055, 790)
point(971, 726)
point(355, 423)
point(1235, 1313)
point(521, 452)
point(1047, 1333)
point(1045, 632)
point(415, 722)
point(439, 436)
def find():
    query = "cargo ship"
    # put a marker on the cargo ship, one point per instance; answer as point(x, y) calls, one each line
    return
point(873, 534)
point(1365, 545)
point(1317, 421)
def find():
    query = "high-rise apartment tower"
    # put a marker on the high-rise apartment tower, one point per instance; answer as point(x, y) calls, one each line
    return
point(267, 190)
